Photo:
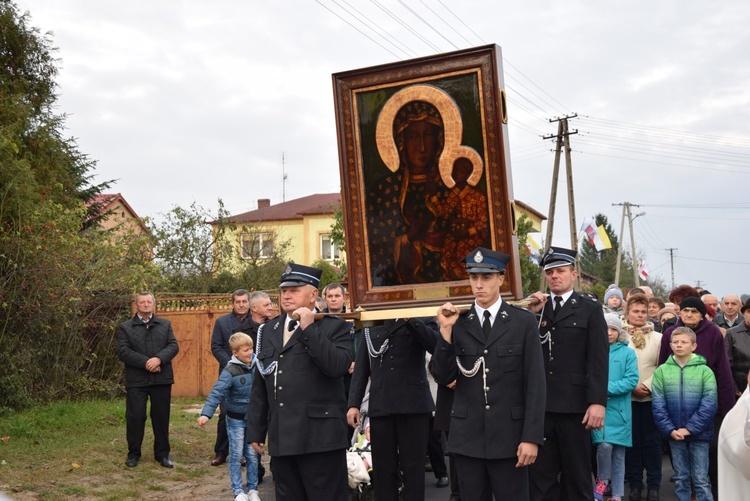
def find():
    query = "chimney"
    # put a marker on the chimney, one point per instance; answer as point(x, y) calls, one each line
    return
point(264, 202)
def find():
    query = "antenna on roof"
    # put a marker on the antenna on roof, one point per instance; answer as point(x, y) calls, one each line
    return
point(283, 179)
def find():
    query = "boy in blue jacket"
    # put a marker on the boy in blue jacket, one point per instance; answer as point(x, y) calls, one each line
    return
point(684, 402)
point(233, 386)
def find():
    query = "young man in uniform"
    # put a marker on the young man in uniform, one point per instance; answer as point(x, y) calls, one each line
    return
point(493, 354)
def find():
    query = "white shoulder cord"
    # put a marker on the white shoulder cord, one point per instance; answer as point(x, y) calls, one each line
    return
point(546, 337)
point(473, 372)
point(371, 349)
point(265, 371)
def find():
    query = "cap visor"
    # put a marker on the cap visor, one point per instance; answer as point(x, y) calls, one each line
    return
point(557, 264)
point(483, 269)
point(292, 283)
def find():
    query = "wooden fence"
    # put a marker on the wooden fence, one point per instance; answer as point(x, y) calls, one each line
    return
point(193, 318)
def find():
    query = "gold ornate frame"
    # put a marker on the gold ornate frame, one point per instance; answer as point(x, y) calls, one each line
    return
point(466, 89)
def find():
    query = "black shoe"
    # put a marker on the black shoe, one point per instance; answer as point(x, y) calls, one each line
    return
point(652, 495)
point(261, 472)
point(165, 462)
point(131, 462)
point(635, 493)
point(442, 482)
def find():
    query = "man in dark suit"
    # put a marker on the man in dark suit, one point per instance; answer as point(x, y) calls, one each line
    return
point(392, 356)
point(574, 341)
point(223, 330)
point(297, 398)
point(493, 354)
point(147, 345)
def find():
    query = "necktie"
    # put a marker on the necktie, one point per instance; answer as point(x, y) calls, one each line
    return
point(558, 305)
point(292, 325)
point(486, 325)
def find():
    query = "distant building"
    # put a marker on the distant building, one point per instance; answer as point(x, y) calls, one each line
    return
point(304, 222)
point(118, 216)
point(536, 217)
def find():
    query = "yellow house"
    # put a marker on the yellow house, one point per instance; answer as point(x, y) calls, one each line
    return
point(305, 223)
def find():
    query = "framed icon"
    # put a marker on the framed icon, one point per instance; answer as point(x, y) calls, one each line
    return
point(425, 176)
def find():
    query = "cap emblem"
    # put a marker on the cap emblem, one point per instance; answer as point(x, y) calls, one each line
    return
point(478, 257)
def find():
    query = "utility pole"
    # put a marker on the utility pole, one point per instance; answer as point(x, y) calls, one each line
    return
point(562, 141)
point(626, 212)
point(671, 262)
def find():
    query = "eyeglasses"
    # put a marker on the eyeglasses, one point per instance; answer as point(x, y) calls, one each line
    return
point(690, 310)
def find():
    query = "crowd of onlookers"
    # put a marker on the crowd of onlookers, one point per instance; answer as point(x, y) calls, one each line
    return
point(699, 388)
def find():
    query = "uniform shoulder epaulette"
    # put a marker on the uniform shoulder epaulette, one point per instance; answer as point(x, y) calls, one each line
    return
point(589, 299)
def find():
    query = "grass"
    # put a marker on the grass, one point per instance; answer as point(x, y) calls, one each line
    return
point(77, 451)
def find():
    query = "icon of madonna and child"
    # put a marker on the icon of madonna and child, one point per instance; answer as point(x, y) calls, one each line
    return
point(427, 212)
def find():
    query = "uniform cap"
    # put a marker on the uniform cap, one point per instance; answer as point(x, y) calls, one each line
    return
point(556, 257)
point(482, 260)
point(296, 274)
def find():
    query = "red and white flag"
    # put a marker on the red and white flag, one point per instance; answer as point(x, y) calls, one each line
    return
point(643, 270)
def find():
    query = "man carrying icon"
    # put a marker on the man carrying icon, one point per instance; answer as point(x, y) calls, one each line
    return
point(493, 353)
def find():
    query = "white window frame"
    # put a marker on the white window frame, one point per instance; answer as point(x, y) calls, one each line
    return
point(335, 252)
point(264, 238)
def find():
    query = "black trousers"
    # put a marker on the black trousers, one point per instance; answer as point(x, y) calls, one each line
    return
point(567, 450)
point(135, 418)
point(311, 477)
point(480, 479)
point(221, 447)
point(436, 452)
point(398, 443)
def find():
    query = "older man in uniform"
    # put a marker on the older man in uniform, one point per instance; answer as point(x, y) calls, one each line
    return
point(576, 359)
point(493, 354)
point(298, 395)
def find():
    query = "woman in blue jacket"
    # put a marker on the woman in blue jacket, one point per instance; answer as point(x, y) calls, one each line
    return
point(616, 435)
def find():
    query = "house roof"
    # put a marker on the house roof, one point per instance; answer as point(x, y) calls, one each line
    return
point(530, 209)
point(107, 200)
point(321, 203)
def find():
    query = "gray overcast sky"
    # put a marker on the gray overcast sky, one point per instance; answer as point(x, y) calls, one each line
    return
point(189, 100)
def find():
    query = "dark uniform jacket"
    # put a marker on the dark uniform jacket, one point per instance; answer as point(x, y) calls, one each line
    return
point(577, 359)
point(301, 407)
point(399, 379)
point(138, 341)
point(514, 411)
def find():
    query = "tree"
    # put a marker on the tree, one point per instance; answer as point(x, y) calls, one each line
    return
point(529, 269)
point(190, 251)
point(197, 257)
point(338, 237)
point(39, 163)
point(64, 285)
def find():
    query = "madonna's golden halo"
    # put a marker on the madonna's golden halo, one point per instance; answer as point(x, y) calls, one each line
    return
point(453, 131)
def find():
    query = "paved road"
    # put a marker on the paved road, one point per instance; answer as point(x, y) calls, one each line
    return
point(432, 493)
